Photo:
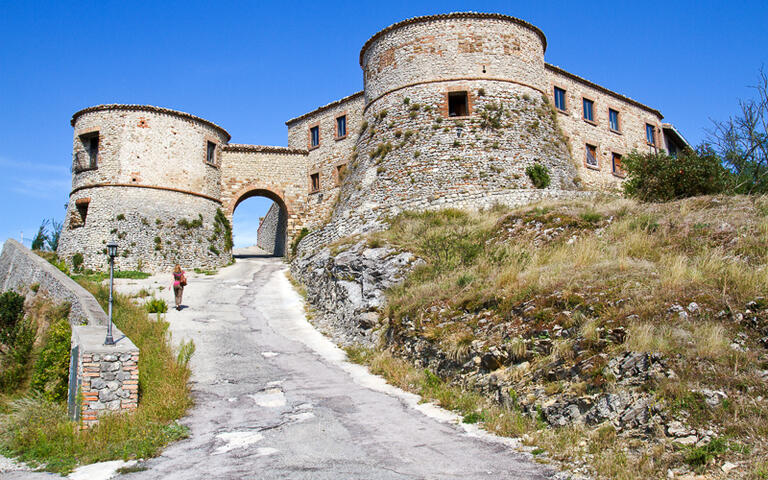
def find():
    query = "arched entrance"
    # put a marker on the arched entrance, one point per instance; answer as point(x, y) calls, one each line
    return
point(271, 234)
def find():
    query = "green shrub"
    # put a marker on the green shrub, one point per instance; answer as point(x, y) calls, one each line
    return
point(659, 177)
point(156, 305)
point(17, 336)
point(539, 175)
point(51, 371)
point(11, 313)
point(77, 261)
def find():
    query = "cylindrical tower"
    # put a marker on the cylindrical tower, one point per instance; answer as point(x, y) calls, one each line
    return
point(456, 111)
point(148, 178)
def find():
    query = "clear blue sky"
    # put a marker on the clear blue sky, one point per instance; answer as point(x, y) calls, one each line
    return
point(250, 66)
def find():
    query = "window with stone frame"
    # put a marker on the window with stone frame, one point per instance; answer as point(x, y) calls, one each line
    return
point(650, 134)
point(210, 153)
point(591, 156)
point(80, 212)
point(341, 127)
point(560, 99)
point(314, 182)
point(613, 120)
point(314, 136)
point(88, 159)
point(616, 165)
point(458, 104)
point(589, 110)
point(341, 170)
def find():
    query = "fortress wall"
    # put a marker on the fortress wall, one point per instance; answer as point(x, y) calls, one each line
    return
point(631, 135)
point(278, 173)
point(271, 234)
point(332, 153)
point(145, 225)
point(151, 173)
point(453, 46)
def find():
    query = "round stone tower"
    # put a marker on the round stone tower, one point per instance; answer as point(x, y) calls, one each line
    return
point(455, 112)
point(148, 178)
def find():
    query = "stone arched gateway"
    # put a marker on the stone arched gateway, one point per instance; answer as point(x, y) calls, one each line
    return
point(280, 223)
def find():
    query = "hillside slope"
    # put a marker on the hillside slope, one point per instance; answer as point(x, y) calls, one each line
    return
point(628, 338)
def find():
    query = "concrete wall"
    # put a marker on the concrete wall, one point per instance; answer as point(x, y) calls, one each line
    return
point(271, 235)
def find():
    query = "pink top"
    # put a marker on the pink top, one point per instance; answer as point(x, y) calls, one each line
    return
point(177, 278)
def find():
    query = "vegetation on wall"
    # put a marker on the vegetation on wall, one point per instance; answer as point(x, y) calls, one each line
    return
point(297, 239)
point(17, 335)
point(50, 375)
point(539, 175)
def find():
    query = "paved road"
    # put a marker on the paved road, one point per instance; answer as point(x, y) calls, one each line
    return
point(276, 400)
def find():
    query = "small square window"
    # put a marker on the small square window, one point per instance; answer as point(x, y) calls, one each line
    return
point(560, 99)
point(458, 104)
point(613, 119)
point(618, 169)
point(591, 156)
point(314, 182)
point(589, 107)
point(341, 126)
point(210, 153)
point(314, 136)
point(650, 134)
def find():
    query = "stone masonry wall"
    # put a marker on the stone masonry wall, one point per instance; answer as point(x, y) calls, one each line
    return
point(331, 156)
point(631, 134)
point(271, 234)
point(107, 376)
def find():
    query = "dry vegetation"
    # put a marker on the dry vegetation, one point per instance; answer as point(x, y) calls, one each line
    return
point(684, 280)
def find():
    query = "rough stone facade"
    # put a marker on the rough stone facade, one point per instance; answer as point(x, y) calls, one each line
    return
point(271, 234)
point(454, 110)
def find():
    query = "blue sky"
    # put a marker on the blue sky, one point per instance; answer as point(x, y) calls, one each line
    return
point(250, 66)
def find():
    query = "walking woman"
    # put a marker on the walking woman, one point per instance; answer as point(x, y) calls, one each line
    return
point(179, 281)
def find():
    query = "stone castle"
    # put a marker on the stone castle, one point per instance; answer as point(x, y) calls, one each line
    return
point(453, 110)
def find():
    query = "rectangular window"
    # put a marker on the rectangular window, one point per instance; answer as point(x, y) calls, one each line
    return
point(650, 134)
point(80, 213)
point(617, 167)
point(210, 153)
point(341, 126)
point(314, 182)
point(589, 106)
point(591, 158)
point(559, 98)
point(90, 160)
point(613, 118)
point(314, 136)
point(458, 104)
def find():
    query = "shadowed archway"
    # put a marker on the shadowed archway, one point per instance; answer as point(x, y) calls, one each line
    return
point(272, 236)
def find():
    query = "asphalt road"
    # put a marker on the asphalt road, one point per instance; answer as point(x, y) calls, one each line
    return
point(276, 400)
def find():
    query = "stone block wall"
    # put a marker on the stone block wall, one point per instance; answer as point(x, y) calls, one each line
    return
point(271, 234)
point(105, 376)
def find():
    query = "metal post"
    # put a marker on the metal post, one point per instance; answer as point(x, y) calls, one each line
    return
point(112, 251)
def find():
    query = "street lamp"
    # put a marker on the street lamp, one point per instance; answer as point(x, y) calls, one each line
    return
point(112, 252)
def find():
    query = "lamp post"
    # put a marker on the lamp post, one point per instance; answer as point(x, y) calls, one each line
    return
point(112, 252)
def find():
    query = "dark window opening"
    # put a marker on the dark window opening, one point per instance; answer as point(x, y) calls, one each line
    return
point(314, 182)
point(314, 135)
point(613, 118)
point(80, 213)
point(617, 168)
point(341, 170)
point(592, 156)
point(458, 104)
point(559, 98)
point(341, 126)
point(589, 110)
point(210, 153)
point(90, 158)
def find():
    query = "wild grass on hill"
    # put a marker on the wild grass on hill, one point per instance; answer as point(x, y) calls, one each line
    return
point(686, 279)
point(38, 431)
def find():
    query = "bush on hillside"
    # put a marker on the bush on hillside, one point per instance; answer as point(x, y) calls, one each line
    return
point(17, 336)
point(51, 371)
point(660, 177)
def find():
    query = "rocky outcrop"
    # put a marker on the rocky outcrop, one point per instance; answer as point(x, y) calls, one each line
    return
point(346, 287)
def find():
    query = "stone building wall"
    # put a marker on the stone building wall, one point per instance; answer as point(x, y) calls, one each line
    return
point(331, 157)
point(271, 233)
point(633, 116)
point(152, 189)
point(278, 173)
